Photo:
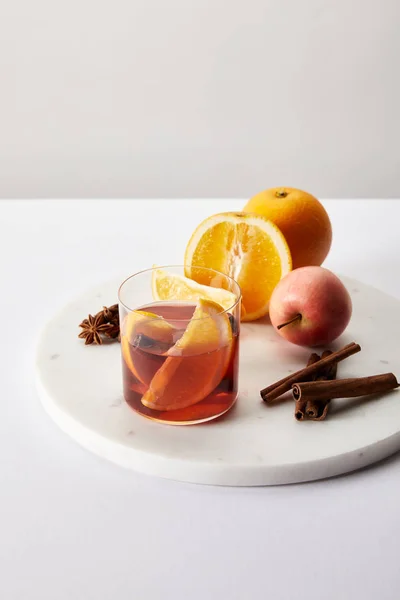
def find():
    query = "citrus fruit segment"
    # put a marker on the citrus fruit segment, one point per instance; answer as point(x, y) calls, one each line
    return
point(208, 330)
point(196, 363)
point(147, 323)
point(244, 246)
point(142, 323)
point(168, 286)
point(302, 219)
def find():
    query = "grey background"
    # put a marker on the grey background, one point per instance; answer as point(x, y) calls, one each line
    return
point(199, 98)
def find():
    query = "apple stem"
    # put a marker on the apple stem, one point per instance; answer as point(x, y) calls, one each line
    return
point(295, 318)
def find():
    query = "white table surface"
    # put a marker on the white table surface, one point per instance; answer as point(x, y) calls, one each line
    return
point(74, 527)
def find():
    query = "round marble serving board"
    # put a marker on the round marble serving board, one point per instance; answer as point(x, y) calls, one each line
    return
point(253, 444)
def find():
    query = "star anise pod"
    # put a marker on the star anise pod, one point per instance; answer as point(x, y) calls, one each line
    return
point(111, 316)
point(111, 313)
point(92, 328)
point(104, 323)
point(112, 331)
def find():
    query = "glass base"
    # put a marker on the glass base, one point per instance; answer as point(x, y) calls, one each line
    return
point(204, 411)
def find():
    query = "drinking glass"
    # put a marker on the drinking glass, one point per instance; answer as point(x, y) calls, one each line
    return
point(180, 358)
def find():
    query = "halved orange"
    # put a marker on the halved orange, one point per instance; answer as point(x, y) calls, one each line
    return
point(196, 363)
point(138, 322)
point(245, 246)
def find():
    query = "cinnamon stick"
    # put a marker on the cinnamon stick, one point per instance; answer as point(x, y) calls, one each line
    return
point(317, 409)
point(322, 407)
point(300, 407)
point(344, 388)
point(275, 390)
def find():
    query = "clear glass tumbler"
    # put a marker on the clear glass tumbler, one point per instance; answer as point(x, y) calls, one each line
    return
point(180, 343)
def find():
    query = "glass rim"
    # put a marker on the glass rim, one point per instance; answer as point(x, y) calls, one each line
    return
point(238, 293)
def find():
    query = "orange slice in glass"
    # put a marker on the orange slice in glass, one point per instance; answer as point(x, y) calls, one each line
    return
point(246, 246)
point(196, 363)
point(169, 286)
point(143, 365)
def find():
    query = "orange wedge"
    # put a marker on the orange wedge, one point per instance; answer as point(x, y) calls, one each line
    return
point(196, 363)
point(136, 323)
point(168, 286)
point(247, 247)
point(147, 323)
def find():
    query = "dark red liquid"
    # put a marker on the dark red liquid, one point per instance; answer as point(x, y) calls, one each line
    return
point(208, 379)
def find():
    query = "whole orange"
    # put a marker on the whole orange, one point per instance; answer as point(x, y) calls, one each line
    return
point(301, 218)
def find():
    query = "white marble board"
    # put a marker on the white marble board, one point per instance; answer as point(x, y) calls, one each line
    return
point(254, 444)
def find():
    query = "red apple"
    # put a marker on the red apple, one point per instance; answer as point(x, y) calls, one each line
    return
point(310, 307)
